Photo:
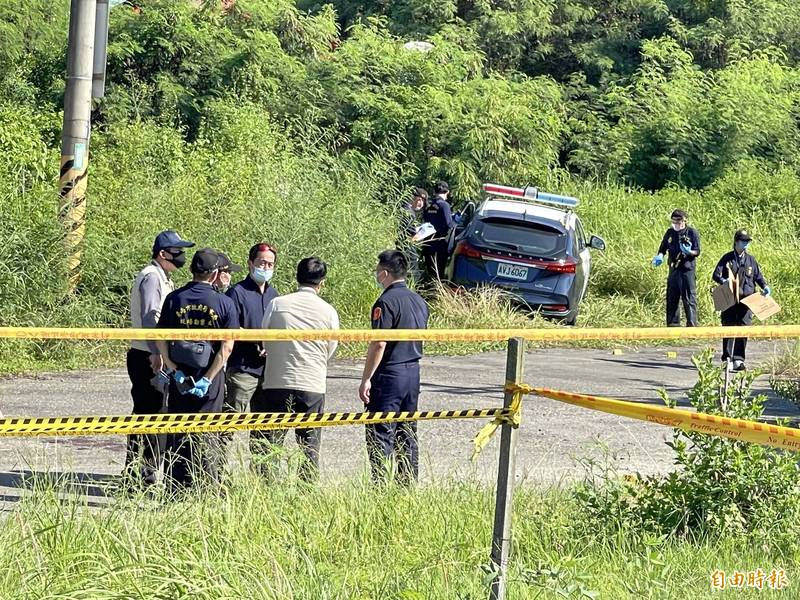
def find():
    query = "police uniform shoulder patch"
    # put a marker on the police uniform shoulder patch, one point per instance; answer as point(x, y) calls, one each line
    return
point(377, 313)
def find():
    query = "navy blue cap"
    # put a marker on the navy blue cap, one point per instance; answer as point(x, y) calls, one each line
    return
point(170, 239)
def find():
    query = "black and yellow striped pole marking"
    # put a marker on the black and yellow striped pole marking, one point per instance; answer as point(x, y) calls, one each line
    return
point(72, 214)
point(209, 422)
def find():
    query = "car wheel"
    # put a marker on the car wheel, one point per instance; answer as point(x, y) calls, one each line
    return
point(572, 318)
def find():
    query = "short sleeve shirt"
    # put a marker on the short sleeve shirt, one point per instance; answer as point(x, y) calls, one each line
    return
point(400, 308)
point(198, 306)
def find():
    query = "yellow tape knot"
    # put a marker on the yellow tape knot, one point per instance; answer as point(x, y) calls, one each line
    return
point(513, 417)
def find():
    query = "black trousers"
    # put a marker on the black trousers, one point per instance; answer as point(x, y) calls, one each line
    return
point(193, 458)
point(435, 255)
point(394, 388)
point(145, 452)
point(681, 288)
point(309, 440)
point(738, 314)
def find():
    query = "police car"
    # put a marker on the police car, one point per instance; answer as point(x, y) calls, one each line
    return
point(529, 243)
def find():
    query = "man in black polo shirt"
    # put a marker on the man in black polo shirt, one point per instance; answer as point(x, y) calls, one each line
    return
point(390, 381)
point(244, 379)
point(196, 368)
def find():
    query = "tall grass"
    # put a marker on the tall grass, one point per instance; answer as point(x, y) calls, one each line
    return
point(346, 540)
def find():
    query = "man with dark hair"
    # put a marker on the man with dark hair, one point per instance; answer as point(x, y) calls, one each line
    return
point(244, 378)
point(296, 371)
point(438, 213)
point(226, 267)
point(390, 381)
point(682, 244)
point(195, 369)
point(144, 361)
point(406, 239)
point(743, 268)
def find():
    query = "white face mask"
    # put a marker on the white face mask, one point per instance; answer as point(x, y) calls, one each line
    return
point(378, 280)
point(679, 227)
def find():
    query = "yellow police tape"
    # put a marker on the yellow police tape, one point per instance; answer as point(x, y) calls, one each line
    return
point(740, 430)
point(397, 335)
point(209, 422)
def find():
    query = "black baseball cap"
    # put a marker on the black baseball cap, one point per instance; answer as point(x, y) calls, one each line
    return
point(226, 265)
point(741, 236)
point(679, 214)
point(170, 239)
point(205, 261)
point(441, 187)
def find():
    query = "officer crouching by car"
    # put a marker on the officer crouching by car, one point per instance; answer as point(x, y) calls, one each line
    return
point(744, 267)
point(681, 243)
point(195, 369)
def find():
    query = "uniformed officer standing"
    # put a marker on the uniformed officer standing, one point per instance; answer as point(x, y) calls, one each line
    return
point(244, 379)
point(408, 228)
point(437, 212)
point(681, 243)
point(150, 288)
point(390, 381)
point(745, 268)
point(196, 368)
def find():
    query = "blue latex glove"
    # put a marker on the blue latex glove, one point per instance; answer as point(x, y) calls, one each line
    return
point(658, 260)
point(686, 249)
point(766, 291)
point(179, 376)
point(457, 219)
point(200, 388)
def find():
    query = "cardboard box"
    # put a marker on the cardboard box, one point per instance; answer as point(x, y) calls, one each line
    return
point(725, 295)
point(763, 307)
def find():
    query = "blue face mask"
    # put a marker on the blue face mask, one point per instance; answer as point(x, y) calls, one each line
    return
point(261, 276)
point(741, 246)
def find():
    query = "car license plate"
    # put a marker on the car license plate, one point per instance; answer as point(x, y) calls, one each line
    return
point(512, 271)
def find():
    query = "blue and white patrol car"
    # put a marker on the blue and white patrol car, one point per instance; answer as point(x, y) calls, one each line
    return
point(529, 243)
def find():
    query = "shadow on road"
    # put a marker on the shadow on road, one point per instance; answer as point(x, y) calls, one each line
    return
point(89, 484)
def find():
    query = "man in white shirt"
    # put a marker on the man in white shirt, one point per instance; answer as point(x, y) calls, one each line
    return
point(296, 371)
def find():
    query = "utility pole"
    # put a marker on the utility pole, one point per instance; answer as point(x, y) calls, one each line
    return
point(76, 132)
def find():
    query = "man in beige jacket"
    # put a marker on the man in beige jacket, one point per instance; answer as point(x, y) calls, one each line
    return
point(296, 372)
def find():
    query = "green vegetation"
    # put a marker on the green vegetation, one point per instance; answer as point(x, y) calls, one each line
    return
point(305, 123)
point(732, 506)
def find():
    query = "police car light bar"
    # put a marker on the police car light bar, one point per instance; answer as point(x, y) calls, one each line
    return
point(529, 193)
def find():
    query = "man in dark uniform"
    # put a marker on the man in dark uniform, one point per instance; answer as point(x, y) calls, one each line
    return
point(196, 368)
point(681, 243)
point(744, 267)
point(390, 381)
point(437, 212)
point(244, 379)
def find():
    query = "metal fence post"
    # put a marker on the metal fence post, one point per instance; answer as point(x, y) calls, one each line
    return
point(506, 472)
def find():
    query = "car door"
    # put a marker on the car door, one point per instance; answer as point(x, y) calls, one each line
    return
point(584, 259)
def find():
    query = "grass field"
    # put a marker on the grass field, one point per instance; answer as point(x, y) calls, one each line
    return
point(349, 541)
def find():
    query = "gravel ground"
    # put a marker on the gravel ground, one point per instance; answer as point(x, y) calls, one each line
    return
point(551, 436)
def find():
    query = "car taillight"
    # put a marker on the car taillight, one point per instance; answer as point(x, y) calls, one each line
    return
point(555, 307)
point(463, 248)
point(565, 265)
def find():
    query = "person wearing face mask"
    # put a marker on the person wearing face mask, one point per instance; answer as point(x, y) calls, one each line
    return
point(408, 230)
point(244, 378)
point(390, 380)
point(681, 244)
point(744, 268)
point(226, 267)
point(150, 288)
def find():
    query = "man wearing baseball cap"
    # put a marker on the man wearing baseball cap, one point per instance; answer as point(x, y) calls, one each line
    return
point(226, 267)
point(439, 214)
point(744, 268)
point(195, 368)
point(150, 288)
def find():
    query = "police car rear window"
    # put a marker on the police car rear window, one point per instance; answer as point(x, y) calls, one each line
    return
point(528, 238)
